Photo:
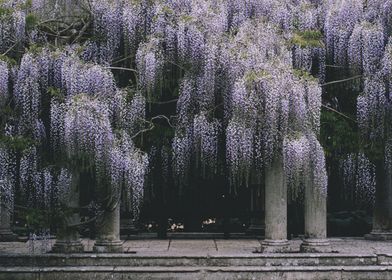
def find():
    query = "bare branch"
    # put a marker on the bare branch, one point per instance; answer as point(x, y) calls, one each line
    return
point(337, 112)
point(121, 68)
point(163, 102)
point(163, 117)
point(342, 81)
point(10, 48)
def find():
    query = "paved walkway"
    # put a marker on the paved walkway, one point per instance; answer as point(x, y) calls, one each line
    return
point(210, 247)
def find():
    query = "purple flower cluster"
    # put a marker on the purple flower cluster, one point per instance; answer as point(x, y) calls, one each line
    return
point(234, 65)
point(42, 187)
point(239, 151)
point(304, 163)
point(366, 47)
point(87, 129)
point(57, 115)
point(107, 24)
point(4, 79)
point(372, 108)
point(149, 64)
point(182, 152)
point(340, 20)
point(79, 77)
point(85, 109)
point(128, 167)
point(8, 171)
point(12, 24)
point(205, 137)
point(27, 91)
point(359, 176)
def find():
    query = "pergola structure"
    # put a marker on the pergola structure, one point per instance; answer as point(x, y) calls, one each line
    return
point(275, 204)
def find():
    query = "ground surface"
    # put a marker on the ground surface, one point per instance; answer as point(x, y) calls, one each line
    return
point(208, 247)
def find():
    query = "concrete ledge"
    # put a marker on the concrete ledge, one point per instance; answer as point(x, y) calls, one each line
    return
point(247, 272)
point(8, 236)
point(190, 269)
point(384, 259)
point(135, 260)
point(379, 236)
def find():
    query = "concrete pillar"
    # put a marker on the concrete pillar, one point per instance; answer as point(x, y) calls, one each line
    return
point(6, 233)
point(315, 211)
point(108, 232)
point(275, 208)
point(382, 214)
point(68, 239)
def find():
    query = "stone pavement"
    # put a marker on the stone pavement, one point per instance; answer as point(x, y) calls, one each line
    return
point(215, 259)
point(207, 247)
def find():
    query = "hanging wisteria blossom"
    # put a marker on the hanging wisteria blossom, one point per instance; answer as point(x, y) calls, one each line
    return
point(366, 47)
point(87, 130)
point(206, 139)
point(149, 64)
point(303, 162)
point(107, 24)
point(359, 177)
point(128, 167)
point(215, 90)
point(27, 91)
point(8, 172)
point(341, 18)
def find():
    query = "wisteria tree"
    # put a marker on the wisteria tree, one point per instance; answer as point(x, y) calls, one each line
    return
point(123, 98)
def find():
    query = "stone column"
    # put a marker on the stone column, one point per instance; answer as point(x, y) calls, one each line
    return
point(275, 208)
point(68, 239)
point(6, 233)
point(382, 214)
point(315, 220)
point(108, 232)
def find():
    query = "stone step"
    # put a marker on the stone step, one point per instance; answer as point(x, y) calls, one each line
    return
point(135, 260)
point(197, 272)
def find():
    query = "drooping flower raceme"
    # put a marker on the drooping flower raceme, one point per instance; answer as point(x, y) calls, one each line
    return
point(87, 130)
point(303, 161)
point(8, 171)
point(366, 47)
point(341, 18)
point(108, 26)
point(149, 64)
point(206, 141)
point(27, 91)
point(12, 25)
point(359, 176)
point(128, 167)
point(79, 77)
point(4, 77)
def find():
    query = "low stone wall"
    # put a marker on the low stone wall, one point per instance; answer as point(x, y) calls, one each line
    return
point(254, 266)
point(250, 272)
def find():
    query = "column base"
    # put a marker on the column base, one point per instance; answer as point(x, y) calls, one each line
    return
point(274, 246)
point(68, 247)
point(379, 235)
point(105, 246)
point(7, 236)
point(315, 246)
